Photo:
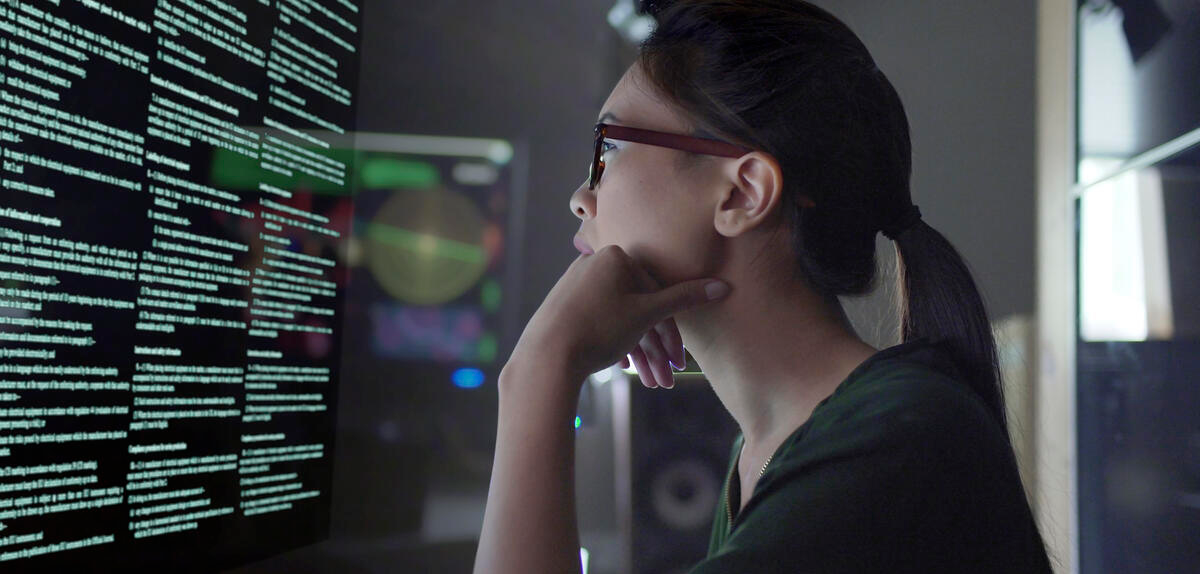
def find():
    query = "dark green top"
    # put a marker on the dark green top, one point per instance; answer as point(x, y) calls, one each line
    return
point(901, 469)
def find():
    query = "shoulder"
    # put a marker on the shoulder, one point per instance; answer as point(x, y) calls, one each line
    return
point(905, 405)
point(898, 445)
point(904, 468)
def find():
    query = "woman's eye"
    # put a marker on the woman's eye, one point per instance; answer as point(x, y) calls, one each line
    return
point(605, 147)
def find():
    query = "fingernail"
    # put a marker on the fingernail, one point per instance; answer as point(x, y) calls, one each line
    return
point(676, 367)
point(716, 289)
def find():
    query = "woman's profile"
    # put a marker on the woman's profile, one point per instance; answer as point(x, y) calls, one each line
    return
point(742, 168)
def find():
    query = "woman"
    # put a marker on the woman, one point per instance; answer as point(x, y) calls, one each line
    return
point(744, 164)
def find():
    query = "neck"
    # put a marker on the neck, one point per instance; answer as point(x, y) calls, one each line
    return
point(771, 352)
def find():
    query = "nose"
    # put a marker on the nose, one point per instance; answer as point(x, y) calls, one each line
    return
point(583, 202)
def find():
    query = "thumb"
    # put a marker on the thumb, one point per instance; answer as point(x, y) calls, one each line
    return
point(685, 295)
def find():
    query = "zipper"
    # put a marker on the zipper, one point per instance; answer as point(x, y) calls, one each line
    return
point(728, 484)
point(728, 509)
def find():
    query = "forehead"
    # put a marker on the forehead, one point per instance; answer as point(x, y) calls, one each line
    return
point(636, 103)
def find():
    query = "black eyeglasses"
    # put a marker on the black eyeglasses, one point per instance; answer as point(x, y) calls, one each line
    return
point(662, 139)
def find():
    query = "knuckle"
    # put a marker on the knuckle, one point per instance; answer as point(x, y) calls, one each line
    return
point(613, 251)
point(666, 332)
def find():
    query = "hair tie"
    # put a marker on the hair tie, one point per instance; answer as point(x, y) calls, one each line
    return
point(910, 217)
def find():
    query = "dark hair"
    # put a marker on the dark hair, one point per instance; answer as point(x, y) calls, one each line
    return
point(788, 78)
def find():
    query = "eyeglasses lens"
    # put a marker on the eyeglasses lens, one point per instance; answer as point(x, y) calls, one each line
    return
point(597, 168)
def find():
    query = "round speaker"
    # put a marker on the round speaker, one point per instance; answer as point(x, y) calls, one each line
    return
point(683, 494)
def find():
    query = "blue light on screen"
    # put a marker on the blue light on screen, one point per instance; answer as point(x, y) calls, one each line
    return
point(467, 378)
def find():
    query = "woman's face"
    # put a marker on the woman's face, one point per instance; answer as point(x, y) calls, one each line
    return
point(647, 202)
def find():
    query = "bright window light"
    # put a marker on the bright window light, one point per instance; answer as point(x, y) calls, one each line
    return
point(1124, 289)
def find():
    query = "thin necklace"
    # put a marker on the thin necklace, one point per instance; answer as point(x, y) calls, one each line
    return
point(764, 466)
point(728, 504)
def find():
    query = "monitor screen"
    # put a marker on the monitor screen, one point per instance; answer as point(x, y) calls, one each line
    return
point(170, 342)
point(432, 230)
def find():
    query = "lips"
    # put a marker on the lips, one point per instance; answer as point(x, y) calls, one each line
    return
point(582, 246)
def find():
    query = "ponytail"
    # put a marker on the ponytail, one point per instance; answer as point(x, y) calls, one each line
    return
point(938, 299)
point(789, 78)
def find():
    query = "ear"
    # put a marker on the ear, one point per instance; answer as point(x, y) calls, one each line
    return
point(753, 186)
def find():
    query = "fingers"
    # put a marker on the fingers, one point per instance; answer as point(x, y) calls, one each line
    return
point(672, 342)
point(643, 367)
point(645, 281)
point(658, 370)
point(625, 362)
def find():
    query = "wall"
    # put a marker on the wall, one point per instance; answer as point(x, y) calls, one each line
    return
point(965, 72)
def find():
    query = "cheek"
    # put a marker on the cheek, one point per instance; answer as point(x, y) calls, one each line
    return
point(656, 217)
point(627, 204)
point(643, 193)
point(659, 229)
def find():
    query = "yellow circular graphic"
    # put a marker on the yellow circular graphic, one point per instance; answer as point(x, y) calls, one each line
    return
point(426, 247)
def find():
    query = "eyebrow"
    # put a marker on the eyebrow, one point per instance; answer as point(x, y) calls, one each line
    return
point(607, 116)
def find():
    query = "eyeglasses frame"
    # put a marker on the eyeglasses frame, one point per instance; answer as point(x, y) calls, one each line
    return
point(703, 146)
point(656, 138)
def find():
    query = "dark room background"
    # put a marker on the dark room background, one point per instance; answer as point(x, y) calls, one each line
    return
point(534, 73)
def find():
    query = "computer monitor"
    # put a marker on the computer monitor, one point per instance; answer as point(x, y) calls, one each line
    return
point(169, 344)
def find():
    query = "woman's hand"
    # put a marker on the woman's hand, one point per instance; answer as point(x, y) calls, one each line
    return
point(606, 304)
point(601, 307)
point(658, 350)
